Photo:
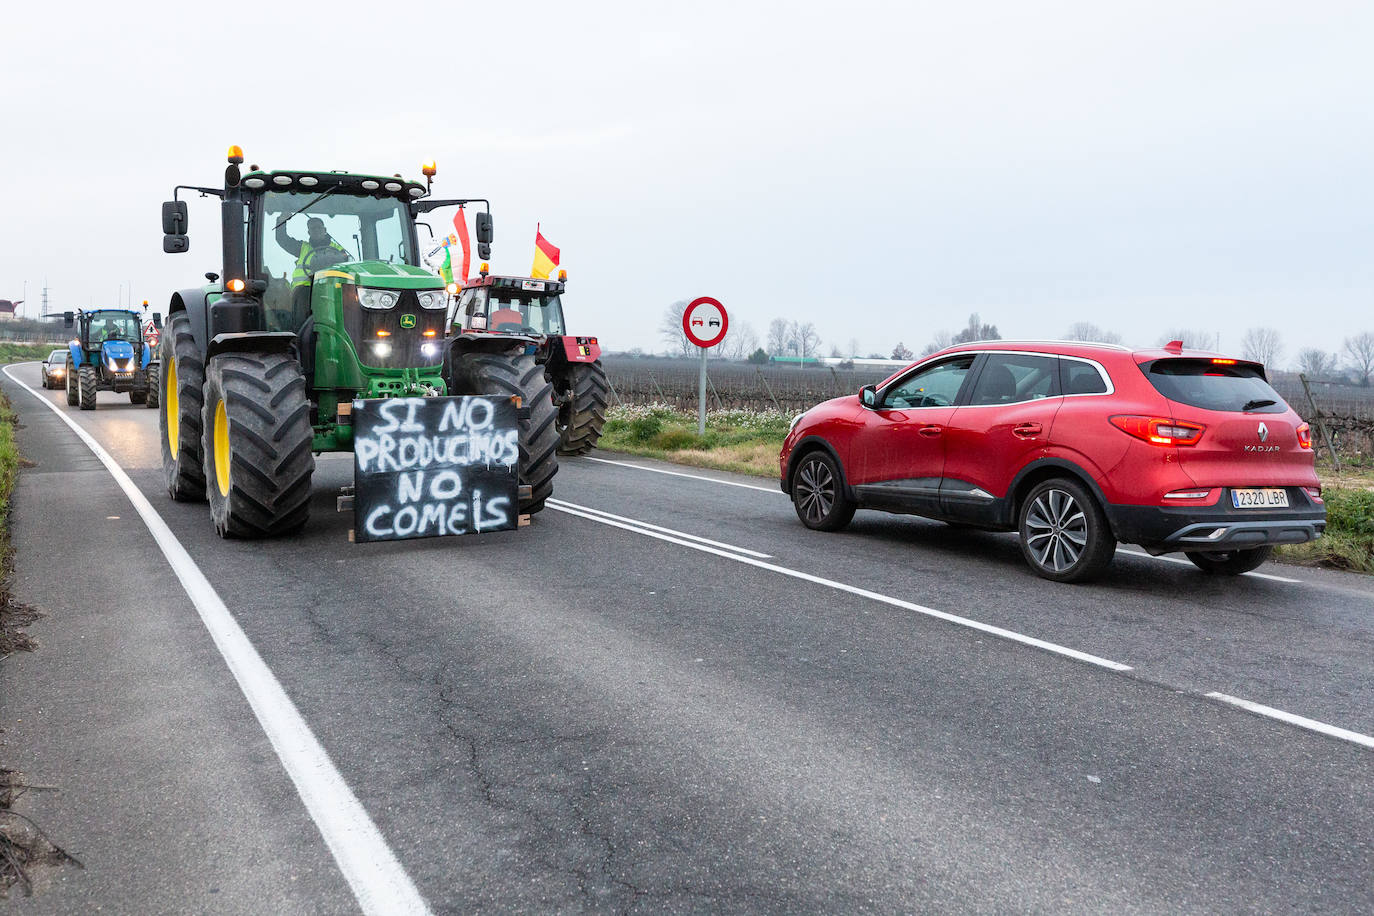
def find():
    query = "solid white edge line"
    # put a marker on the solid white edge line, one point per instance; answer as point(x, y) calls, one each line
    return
point(376, 877)
point(861, 592)
point(1257, 575)
point(728, 483)
point(1260, 709)
point(682, 534)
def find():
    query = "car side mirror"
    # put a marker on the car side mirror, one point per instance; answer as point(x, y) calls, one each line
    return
point(483, 228)
point(157, 320)
point(68, 319)
point(868, 395)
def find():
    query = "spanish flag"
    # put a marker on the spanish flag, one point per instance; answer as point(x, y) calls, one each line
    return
point(545, 256)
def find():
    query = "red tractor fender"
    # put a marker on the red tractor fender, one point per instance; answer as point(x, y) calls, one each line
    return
point(581, 349)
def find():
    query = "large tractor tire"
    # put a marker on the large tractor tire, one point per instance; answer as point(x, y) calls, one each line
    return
point(516, 373)
point(154, 387)
point(87, 384)
point(583, 411)
point(179, 420)
point(73, 385)
point(258, 458)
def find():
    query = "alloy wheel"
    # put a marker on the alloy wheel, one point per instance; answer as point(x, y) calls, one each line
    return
point(815, 490)
point(1056, 530)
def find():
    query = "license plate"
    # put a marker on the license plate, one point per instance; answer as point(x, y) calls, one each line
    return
point(1260, 498)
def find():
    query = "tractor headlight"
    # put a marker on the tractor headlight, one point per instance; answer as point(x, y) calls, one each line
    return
point(377, 298)
point(432, 299)
point(381, 349)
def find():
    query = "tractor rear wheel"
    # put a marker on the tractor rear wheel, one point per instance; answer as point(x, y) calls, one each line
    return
point(516, 373)
point(583, 412)
point(183, 462)
point(73, 386)
point(154, 389)
point(258, 458)
point(87, 383)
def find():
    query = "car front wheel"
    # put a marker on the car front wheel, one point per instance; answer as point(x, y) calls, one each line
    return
point(818, 494)
point(1064, 533)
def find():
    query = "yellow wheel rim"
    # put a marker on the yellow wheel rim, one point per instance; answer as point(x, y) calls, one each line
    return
point(169, 401)
point(221, 449)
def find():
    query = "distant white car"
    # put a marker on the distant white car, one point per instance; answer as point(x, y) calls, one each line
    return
point(55, 369)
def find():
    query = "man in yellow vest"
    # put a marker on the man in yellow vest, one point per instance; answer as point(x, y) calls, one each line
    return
point(315, 253)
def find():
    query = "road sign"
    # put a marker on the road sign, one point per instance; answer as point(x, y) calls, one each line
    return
point(425, 467)
point(705, 322)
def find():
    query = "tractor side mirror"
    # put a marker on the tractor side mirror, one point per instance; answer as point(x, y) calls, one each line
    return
point(68, 319)
point(174, 219)
point(484, 228)
point(157, 320)
point(483, 251)
point(176, 244)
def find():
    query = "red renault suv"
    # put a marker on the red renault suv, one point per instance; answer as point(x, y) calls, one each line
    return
point(1075, 447)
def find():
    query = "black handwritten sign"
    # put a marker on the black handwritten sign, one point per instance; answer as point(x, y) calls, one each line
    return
point(427, 467)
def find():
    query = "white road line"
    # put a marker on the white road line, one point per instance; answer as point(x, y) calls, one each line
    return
point(1301, 721)
point(377, 879)
point(728, 483)
point(1257, 575)
point(854, 590)
point(672, 531)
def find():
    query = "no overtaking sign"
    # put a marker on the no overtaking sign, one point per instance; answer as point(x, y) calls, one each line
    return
point(705, 322)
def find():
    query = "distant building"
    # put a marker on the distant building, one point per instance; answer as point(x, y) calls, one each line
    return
point(8, 309)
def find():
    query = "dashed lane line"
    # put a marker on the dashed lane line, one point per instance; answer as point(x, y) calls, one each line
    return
point(636, 528)
point(1312, 725)
point(379, 883)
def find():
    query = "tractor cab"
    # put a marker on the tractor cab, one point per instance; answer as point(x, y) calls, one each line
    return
point(510, 305)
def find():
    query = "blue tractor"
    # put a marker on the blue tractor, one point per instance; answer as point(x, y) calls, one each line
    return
point(108, 352)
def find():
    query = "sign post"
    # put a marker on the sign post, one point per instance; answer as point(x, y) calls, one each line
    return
point(705, 323)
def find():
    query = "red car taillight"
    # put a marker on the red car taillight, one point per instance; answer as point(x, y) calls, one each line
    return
point(1160, 430)
point(1314, 494)
point(1305, 436)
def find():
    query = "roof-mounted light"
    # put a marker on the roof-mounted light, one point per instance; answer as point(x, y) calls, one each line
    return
point(429, 169)
point(562, 276)
point(309, 181)
point(370, 185)
point(236, 154)
point(392, 186)
point(253, 183)
point(282, 180)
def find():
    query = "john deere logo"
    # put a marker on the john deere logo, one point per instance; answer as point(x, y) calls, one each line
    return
point(407, 321)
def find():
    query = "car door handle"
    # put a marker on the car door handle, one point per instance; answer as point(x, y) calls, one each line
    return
point(930, 431)
point(1027, 430)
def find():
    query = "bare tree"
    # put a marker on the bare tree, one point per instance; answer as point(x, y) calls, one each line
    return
point(740, 341)
point(805, 340)
point(941, 340)
point(853, 347)
point(1087, 331)
point(779, 333)
point(1192, 339)
point(1359, 353)
point(1263, 345)
point(900, 352)
point(1316, 364)
point(670, 330)
point(976, 330)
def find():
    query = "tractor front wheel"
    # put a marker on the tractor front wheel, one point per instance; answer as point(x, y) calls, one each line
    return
point(154, 389)
point(183, 463)
point(87, 382)
point(516, 373)
point(258, 458)
point(73, 386)
point(583, 411)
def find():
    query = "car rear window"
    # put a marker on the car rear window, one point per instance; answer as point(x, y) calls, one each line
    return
point(1214, 385)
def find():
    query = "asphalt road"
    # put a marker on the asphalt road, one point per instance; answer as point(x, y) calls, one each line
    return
point(666, 695)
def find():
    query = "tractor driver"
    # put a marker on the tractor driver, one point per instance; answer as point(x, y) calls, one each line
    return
point(110, 331)
point(317, 252)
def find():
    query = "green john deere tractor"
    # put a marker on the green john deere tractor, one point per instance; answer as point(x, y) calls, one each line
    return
point(321, 300)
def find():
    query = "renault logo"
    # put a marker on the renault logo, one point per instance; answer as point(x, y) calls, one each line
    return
point(408, 321)
point(1263, 430)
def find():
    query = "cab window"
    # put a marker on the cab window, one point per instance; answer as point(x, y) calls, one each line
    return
point(931, 386)
point(1010, 378)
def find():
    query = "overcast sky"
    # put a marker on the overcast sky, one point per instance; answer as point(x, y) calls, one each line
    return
point(881, 170)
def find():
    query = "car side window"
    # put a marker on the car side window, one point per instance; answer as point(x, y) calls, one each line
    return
point(1081, 378)
point(933, 386)
point(1011, 378)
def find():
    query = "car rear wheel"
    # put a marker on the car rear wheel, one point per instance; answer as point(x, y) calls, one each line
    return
point(1229, 562)
point(818, 494)
point(1064, 533)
